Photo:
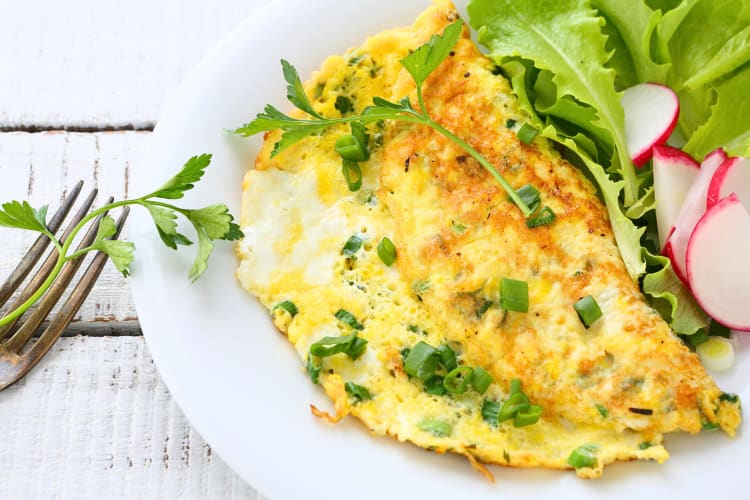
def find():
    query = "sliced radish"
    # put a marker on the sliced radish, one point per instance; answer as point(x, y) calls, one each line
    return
point(692, 209)
point(651, 112)
point(718, 269)
point(733, 176)
point(674, 173)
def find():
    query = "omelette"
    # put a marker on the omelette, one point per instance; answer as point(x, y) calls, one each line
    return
point(390, 294)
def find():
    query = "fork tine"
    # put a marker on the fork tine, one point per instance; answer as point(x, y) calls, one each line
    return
point(52, 296)
point(49, 263)
point(67, 311)
point(36, 250)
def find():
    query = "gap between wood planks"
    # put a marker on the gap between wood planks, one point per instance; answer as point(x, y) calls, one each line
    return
point(124, 127)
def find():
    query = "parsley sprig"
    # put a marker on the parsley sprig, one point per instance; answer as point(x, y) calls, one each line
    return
point(213, 222)
point(420, 64)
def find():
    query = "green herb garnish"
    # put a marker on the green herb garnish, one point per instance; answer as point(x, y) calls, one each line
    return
point(357, 392)
point(348, 319)
point(588, 310)
point(514, 295)
point(419, 64)
point(351, 345)
point(583, 456)
point(387, 251)
point(352, 246)
point(436, 427)
point(210, 223)
point(288, 306)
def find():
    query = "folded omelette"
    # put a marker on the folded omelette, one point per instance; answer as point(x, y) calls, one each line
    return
point(311, 254)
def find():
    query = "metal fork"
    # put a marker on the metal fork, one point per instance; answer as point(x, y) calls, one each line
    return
point(16, 358)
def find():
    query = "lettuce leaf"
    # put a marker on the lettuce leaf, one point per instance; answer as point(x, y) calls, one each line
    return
point(565, 38)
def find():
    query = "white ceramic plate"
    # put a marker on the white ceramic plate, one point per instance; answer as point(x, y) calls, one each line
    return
point(238, 380)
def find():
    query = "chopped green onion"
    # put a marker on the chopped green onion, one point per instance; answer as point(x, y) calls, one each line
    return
point(352, 246)
point(343, 104)
point(404, 354)
point(510, 123)
point(348, 319)
point(645, 445)
point(527, 133)
point(530, 195)
point(387, 251)
point(421, 286)
point(583, 456)
point(457, 380)
point(491, 411)
point(360, 134)
point(457, 227)
point(528, 416)
point(514, 295)
point(351, 345)
point(448, 357)
point(545, 217)
point(350, 149)
point(732, 398)
point(709, 426)
point(435, 386)
point(357, 392)
point(588, 310)
point(483, 307)
point(313, 369)
point(422, 361)
point(717, 353)
point(516, 402)
point(436, 427)
point(352, 174)
point(480, 379)
point(603, 411)
point(515, 385)
point(287, 306)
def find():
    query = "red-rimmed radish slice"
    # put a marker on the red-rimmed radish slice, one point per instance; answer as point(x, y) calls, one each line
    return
point(674, 173)
point(733, 176)
point(651, 112)
point(718, 267)
point(692, 209)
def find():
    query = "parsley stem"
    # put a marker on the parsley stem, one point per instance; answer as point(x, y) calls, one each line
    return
point(486, 164)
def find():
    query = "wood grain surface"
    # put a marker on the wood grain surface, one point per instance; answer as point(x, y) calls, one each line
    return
point(89, 64)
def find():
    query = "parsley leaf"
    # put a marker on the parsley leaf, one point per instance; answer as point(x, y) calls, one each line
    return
point(21, 215)
point(428, 57)
point(120, 252)
point(191, 173)
point(294, 91)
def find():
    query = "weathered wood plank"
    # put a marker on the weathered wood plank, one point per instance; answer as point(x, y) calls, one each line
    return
point(39, 167)
point(89, 64)
point(94, 420)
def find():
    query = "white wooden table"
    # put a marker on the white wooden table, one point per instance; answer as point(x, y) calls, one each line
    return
point(82, 83)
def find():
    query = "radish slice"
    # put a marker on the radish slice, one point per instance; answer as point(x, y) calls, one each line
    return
point(692, 210)
point(651, 112)
point(718, 269)
point(674, 173)
point(733, 176)
point(717, 353)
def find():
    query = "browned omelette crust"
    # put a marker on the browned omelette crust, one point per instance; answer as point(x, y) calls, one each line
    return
point(638, 367)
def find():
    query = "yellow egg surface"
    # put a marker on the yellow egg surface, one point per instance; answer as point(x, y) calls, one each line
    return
point(616, 386)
